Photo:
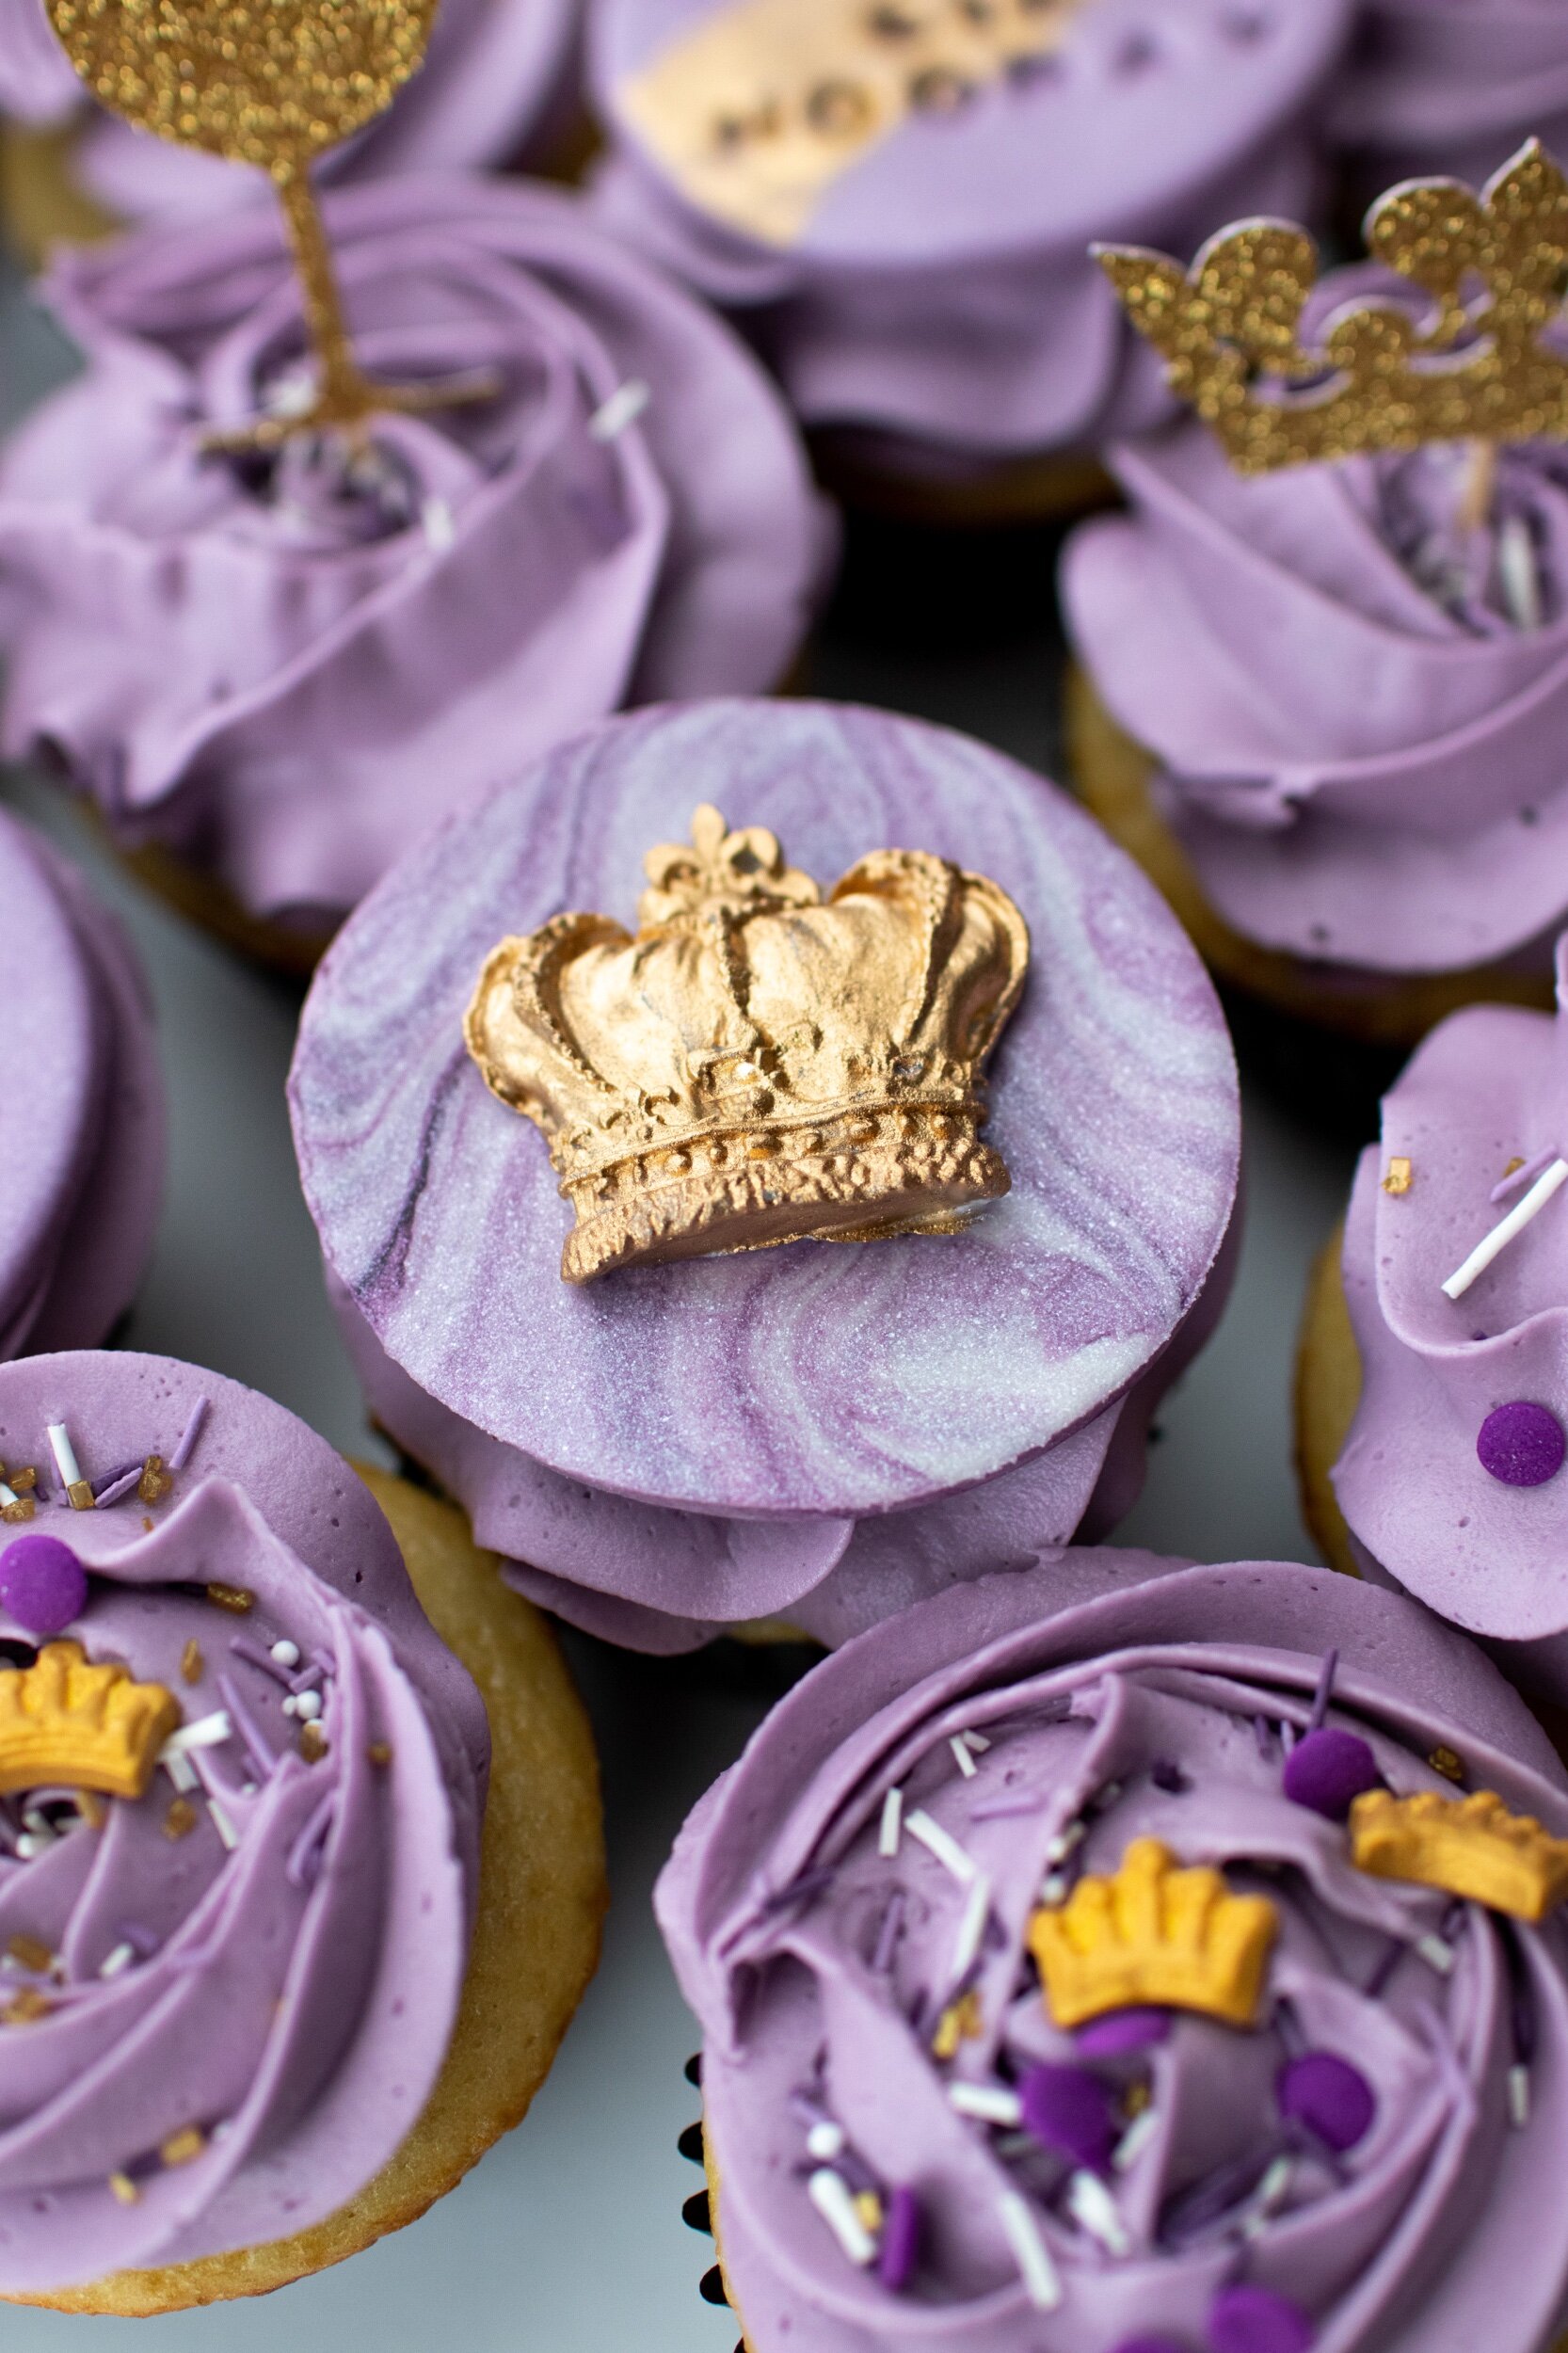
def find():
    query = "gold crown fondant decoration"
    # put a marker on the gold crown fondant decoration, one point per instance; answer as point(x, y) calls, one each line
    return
point(274, 84)
point(1479, 366)
point(756, 110)
point(1471, 1846)
point(759, 1063)
point(1157, 1935)
point(65, 1721)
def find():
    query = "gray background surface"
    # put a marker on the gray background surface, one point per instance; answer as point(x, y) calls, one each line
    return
point(567, 2239)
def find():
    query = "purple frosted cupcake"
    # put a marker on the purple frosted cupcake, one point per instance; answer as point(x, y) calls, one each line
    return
point(82, 1147)
point(243, 1880)
point(498, 87)
point(1134, 1958)
point(1449, 86)
point(1433, 1424)
point(1326, 706)
point(897, 204)
point(269, 676)
point(817, 1435)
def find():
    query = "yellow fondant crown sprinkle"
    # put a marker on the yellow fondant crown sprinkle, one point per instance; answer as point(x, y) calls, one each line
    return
point(1155, 1935)
point(760, 1063)
point(1471, 1846)
point(1477, 367)
point(63, 1720)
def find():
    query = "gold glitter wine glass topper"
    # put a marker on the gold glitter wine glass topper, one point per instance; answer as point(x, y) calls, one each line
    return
point(273, 83)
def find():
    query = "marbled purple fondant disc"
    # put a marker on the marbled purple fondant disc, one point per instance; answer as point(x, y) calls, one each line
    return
point(809, 1378)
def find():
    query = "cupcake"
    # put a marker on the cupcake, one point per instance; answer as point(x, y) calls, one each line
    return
point(498, 87)
point(1432, 1425)
point(1134, 1956)
point(269, 674)
point(898, 202)
point(670, 1445)
point(1448, 86)
point(1323, 704)
point(82, 1145)
point(276, 1972)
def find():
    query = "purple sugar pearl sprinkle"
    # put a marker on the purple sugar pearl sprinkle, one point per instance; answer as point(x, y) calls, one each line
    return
point(1329, 2096)
point(43, 1586)
point(1123, 2030)
point(900, 2239)
point(1069, 2110)
point(1522, 1444)
point(1328, 1769)
point(1253, 2320)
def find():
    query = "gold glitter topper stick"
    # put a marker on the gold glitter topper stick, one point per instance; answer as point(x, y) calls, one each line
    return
point(274, 84)
point(1483, 358)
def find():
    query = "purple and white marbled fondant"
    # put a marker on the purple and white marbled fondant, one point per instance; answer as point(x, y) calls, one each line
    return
point(255, 1967)
point(1445, 1493)
point(679, 1447)
point(1366, 2169)
point(1356, 701)
point(284, 671)
point(941, 304)
point(496, 88)
point(81, 1134)
point(1449, 87)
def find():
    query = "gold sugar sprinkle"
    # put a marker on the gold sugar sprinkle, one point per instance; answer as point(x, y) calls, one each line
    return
point(1136, 2098)
point(25, 2008)
point(22, 1481)
point(1447, 1762)
point(191, 1662)
point(868, 2206)
point(91, 1806)
point(1400, 1175)
point(238, 1598)
point(184, 2147)
point(181, 1818)
point(124, 2190)
point(313, 1743)
point(1515, 1164)
point(154, 1483)
point(147, 1526)
point(959, 2022)
point(380, 1752)
point(31, 1952)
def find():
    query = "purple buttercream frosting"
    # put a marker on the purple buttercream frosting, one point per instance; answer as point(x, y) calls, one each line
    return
point(1450, 87)
point(82, 1139)
point(1357, 704)
point(264, 1949)
point(942, 299)
point(285, 670)
point(1431, 1504)
point(496, 78)
point(1366, 2169)
point(679, 1447)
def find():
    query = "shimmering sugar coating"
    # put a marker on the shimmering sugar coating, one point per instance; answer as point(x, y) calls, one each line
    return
point(811, 1379)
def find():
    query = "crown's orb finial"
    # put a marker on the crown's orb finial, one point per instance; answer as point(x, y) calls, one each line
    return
point(273, 83)
point(1471, 1846)
point(1459, 351)
point(1155, 1934)
point(760, 1065)
point(66, 1721)
point(43, 1587)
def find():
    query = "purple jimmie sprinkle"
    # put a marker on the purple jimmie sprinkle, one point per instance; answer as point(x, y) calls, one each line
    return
point(1393, 1954)
point(1263, 1735)
point(254, 1655)
point(1324, 1693)
point(802, 1890)
point(260, 1756)
point(303, 1862)
point(114, 1489)
point(889, 1934)
point(189, 1437)
point(141, 1941)
point(900, 2239)
point(996, 1809)
point(306, 1680)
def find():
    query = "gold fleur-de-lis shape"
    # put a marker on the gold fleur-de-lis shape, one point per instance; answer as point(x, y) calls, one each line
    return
point(273, 83)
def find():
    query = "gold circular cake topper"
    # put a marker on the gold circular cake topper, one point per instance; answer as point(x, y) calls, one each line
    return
point(273, 83)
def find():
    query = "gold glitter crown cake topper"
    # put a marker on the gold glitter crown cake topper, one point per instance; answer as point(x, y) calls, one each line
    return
point(1155, 1935)
point(64, 1721)
point(273, 83)
point(1478, 366)
point(760, 1063)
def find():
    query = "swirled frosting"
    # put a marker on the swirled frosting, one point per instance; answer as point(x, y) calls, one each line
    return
point(224, 2002)
point(1487, 1088)
point(1450, 86)
point(81, 1134)
point(861, 1969)
point(285, 670)
point(683, 1446)
point(941, 301)
point(493, 90)
point(1356, 702)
